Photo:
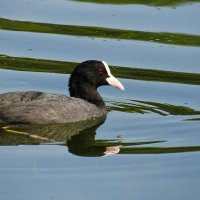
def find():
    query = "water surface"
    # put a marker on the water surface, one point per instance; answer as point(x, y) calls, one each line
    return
point(149, 145)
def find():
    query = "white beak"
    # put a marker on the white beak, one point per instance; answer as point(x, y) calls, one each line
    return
point(114, 82)
point(111, 79)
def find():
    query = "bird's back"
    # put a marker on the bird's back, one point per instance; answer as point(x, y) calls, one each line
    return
point(45, 108)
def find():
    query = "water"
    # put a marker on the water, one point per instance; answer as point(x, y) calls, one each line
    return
point(152, 127)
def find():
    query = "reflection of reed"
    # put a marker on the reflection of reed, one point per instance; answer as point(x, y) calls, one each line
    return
point(101, 32)
point(158, 150)
point(134, 147)
point(38, 65)
point(143, 2)
point(142, 107)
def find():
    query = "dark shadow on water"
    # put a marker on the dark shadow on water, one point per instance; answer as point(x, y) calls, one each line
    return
point(81, 140)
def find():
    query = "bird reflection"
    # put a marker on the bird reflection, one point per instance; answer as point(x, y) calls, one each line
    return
point(79, 137)
point(80, 140)
point(84, 144)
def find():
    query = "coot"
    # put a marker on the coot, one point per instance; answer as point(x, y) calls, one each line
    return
point(85, 102)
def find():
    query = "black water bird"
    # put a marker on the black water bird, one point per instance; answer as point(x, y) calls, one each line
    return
point(85, 102)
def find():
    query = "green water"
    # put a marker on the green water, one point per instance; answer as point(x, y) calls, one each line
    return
point(152, 128)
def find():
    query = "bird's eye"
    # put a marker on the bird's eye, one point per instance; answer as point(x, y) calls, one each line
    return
point(100, 71)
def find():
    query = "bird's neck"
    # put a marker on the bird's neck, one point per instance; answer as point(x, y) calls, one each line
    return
point(86, 92)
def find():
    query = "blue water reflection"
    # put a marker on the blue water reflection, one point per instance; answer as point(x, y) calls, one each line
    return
point(138, 54)
point(181, 19)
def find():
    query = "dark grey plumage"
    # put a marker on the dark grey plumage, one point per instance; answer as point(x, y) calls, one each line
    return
point(45, 108)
